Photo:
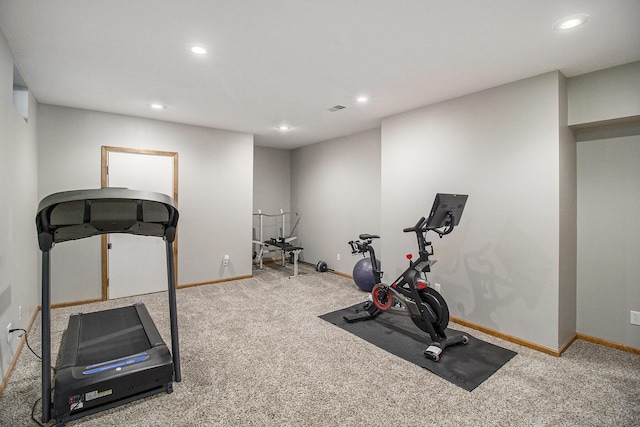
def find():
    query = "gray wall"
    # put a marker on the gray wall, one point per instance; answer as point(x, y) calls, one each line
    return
point(271, 179)
point(604, 95)
point(609, 238)
point(19, 254)
point(335, 187)
point(567, 244)
point(215, 191)
point(500, 268)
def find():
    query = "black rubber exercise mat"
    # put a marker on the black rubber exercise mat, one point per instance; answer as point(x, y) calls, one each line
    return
point(465, 365)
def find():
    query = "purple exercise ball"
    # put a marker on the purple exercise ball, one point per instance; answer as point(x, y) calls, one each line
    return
point(363, 274)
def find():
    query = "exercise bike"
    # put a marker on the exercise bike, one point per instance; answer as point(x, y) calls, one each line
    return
point(411, 292)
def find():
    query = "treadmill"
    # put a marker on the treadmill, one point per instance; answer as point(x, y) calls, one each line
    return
point(111, 357)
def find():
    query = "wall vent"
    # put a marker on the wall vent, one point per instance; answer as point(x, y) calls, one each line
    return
point(337, 108)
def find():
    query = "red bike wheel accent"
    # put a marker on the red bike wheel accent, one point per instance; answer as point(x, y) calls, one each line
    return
point(381, 297)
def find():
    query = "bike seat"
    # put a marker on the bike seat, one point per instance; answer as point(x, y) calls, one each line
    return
point(368, 236)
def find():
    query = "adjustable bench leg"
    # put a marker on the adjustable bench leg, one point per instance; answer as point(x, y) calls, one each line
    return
point(295, 263)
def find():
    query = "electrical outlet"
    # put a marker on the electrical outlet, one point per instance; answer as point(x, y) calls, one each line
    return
point(635, 317)
point(338, 257)
point(225, 260)
point(20, 312)
point(436, 286)
point(8, 333)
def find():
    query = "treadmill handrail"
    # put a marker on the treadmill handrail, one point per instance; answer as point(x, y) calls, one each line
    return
point(77, 214)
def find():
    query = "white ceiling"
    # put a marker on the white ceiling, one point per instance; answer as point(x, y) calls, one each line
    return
point(276, 62)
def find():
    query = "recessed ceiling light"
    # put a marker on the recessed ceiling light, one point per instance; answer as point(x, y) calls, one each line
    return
point(284, 128)
point(362, 99)
point(570, 22)
point(157, 106)
point(198, 49)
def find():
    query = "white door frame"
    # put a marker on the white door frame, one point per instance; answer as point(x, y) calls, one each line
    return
point(104, 181)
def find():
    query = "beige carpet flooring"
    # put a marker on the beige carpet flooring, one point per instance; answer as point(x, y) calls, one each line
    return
point(255, 353)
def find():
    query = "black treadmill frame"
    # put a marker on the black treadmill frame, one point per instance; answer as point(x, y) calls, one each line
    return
point(78, 214)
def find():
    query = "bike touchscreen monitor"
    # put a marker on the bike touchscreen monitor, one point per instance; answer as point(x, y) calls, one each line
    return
point(442, 205)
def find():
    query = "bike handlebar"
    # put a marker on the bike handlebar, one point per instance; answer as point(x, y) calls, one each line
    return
point(358, 247)
point(417, 227)
point(420, 226)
